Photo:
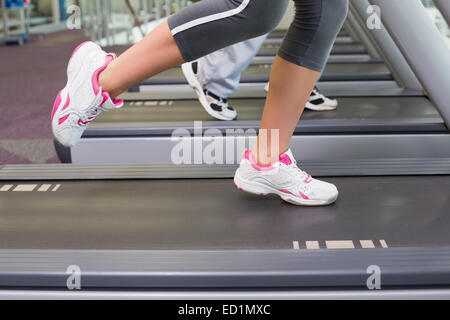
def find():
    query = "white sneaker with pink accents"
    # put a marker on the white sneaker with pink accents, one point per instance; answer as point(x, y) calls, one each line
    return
point(285, 179)
point(82, 99)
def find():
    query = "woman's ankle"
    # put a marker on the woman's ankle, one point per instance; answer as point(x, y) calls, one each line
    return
point(263, 158)
point(106, 83)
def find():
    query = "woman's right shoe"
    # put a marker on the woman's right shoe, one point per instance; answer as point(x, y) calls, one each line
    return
point(82, 99)
point(285, 179)
point(214, 105)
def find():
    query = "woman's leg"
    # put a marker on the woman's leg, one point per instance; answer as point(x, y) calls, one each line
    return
point(284, 106)
point(301, 59)
point(155, 53)
point(196, 31)
point(95, 79)
point(270, 167)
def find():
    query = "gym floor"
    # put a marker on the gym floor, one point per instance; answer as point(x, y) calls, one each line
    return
point(33, 75)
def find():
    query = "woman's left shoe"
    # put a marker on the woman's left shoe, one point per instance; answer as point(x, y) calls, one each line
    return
point(82, 99)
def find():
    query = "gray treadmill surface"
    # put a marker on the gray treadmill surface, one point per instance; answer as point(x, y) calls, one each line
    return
point(356, 114)
point(375, 71)
point(162, 215)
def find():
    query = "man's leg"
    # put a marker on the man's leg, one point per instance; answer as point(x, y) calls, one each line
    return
point(220, 72)
point(217, 75)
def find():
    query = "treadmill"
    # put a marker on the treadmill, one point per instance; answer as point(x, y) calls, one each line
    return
point(130, 239)
point(363, 136)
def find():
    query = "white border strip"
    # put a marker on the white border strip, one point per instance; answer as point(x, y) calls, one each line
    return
point(211, 18)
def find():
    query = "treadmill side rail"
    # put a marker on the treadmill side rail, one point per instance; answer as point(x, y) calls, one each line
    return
point(412, 268)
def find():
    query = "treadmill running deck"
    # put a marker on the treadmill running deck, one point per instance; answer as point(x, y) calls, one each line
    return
point(162, 215)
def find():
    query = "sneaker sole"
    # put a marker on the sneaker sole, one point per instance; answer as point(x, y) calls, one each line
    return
point(195, 84)
point(263, 190)
point(313, 107)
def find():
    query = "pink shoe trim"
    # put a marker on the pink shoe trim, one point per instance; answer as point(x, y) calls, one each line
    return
point(116, 102)
point(56, 104)
point(308, 179)
point(284, 158)
point(78, 48)
point(66, 105)
point(94, 80)
point(303, 196)
point(249, 156)
point(63, 119)
point(105, 96)
point(82, 123)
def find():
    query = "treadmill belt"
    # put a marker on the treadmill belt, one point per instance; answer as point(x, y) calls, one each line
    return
point(260, 73)
point(355, 114)
point(142, 215)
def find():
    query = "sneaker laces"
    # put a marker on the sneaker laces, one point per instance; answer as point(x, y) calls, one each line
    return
point(222, 102)
point(316, 94)
point(92, 113)
point(303, 175)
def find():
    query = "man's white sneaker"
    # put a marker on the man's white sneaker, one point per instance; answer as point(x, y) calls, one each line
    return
point(285, 179)
point(317, 101)
point(82, 99)
point(214, 105)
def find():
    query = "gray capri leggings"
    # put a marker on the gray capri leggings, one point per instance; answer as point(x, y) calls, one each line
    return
point(210, 25)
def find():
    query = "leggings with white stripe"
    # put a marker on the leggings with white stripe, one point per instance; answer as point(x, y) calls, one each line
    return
point(210, 25)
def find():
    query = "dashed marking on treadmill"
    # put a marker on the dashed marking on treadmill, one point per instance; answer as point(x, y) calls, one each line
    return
point(151, 103)
point(44, 187)
point(6, 187)
point(339, 244)
point(30, 188)
point(25, 187)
